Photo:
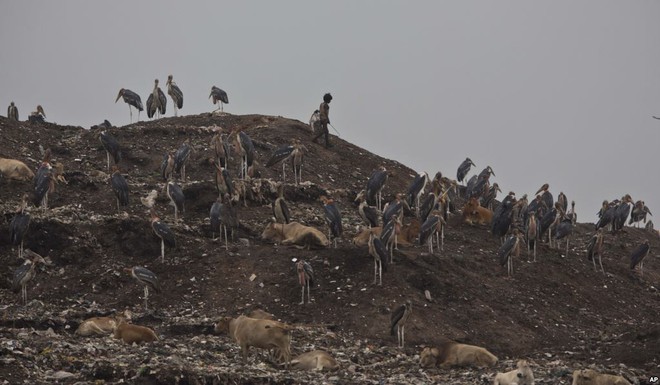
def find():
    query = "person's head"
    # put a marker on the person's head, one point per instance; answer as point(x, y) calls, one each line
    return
point(327, 98)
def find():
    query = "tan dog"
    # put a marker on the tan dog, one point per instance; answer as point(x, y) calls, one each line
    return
point(473, 213)
point(260, 333)
point(315, 360)
point(592, 377)
point(522, 375)
point(130, 333)
point(408, 234)
point(294, 234)
point(98, 326)
point(451, 353)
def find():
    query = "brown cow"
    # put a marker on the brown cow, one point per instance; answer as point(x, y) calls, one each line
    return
point(130, 333)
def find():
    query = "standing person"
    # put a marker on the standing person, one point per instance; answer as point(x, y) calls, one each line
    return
point(324, 111)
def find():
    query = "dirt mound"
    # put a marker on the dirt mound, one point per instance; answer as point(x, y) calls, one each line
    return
point(558, 312)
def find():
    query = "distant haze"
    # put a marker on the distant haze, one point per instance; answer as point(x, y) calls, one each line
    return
point(557, 91)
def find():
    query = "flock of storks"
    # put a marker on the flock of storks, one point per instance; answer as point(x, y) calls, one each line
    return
point(514, 221)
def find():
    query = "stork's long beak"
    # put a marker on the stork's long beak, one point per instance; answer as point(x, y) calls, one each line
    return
point(118, 96)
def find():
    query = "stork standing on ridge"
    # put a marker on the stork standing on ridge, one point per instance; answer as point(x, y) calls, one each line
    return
point(416, 189)
point(25, 273)
point(398, 320)
point(532, 233)
point(433, 227)
point(223, 182)
point(305, 278)
point(244, 146)
point(132, 99)
point(156, 102)
point(638, 255)
point(369, 214)
point(546, 196)
point(379, 252)
point(163, 232)
point(167, 166)
point(375, 186)
point(280, 207)
point(12, 112)
point(219, 95)
point(463, 169)
point(223, 215)
point(595, 248)
point(147, 279)
point(508, 250)
point(120, 188)
point(333, 218)
point(175, 93)
point(44, 181)
point(181, 158)
point(281, 154)
point(390, 233)
point(564, 230)
point(221, 148)
point(19, 226)
point(111, 147)
point(177, 199)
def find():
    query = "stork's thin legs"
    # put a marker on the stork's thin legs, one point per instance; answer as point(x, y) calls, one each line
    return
point(162, 250)
point(309, 296)
point(146, 298)
point(375, 270)
point(567, 246)
point(283, 172)
point(108, 156)
point(226, 238)
point(442, 238)
point(600, 260)
point(302, 300)
point(130, 111)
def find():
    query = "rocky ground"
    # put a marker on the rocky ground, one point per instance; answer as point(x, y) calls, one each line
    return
point(557, 312)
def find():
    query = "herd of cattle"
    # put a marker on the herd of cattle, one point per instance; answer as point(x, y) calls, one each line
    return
point(512, 220)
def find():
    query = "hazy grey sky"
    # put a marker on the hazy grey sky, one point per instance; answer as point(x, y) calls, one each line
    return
point(554, 91)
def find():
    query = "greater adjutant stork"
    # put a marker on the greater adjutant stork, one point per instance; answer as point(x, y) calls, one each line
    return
point(111, 147)
point(433, 227)
point(221, 148)
point(223, 182)
point(219, 95)
point(244, 146)
point(223, 215)
point(369, 214)
point(175, 93)
point(19, 226)
point(509, 249)
point(132, 99)
point(305, 278)
point(281, 154)
point(44, 181)
point(416, 189)
point(25, 273)
point(375, 186)
point(379, 252)
point(147, 279)
point(163, 232)
point(181, 158)
point(177, 199)
point(120, 187)
point(638, 255)
point(398, 320)
point(463, 169)
point(12, 112)
point(156, 102)
point(167, 166)
point(333, 218)
point(280, 207)
point(595, 248)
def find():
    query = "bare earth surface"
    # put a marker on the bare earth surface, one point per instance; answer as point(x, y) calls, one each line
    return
point(557, 312)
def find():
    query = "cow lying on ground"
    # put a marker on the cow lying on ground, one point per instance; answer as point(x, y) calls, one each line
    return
point(260, 333)
point(98, 326)
point(522, 375)
point(451, 353)
point(473, 213)
point(406, 237)
point(130, 333)
point(592, 377)
point(294, 234)
point(15, 169)
point(315, 360)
